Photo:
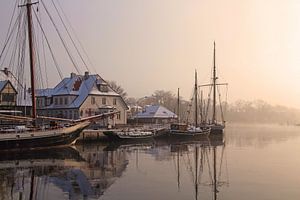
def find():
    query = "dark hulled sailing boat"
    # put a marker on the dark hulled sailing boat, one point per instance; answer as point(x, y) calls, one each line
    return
point(216, 126)
point(35, 136)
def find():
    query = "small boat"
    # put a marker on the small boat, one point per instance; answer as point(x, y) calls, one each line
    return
point(125, 134)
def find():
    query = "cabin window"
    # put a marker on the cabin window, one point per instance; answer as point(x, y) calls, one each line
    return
point(93, 101)
point(115, 101)
point(103, 101)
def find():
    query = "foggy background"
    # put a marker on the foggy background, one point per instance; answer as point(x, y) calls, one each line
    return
point(149, 45)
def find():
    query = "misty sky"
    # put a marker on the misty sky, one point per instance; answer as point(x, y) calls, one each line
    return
point(146, 45)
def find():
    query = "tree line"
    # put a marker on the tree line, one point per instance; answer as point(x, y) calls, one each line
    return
point(241, 111)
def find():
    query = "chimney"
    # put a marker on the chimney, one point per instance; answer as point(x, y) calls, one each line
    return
point(73, 74)
point(5, 71)
point(86, 75)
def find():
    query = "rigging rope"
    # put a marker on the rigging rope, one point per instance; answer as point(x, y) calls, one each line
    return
point(75, 46)
point(61, 38)
point(76, 37)
point(221, 109)
point(9, 41)
point(49, 47)
point(9, 27)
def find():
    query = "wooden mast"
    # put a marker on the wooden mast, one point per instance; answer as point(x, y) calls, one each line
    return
point(201, 106)
point(178, 106)
point(31, 56)
point(214, 85)
point(196, 100)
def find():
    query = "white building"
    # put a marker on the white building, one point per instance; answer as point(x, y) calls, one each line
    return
point(81, 96)
point(155, 114)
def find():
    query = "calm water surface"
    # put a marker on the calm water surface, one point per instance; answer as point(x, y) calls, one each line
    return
point(248, 162)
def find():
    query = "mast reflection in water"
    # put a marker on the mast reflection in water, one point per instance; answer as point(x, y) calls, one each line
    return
point(172, 168)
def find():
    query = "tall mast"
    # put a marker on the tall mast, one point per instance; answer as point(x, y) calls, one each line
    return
point(178, 106)
point(214, 85)
point(196, 100)
point(201, 106)
point(31, 56)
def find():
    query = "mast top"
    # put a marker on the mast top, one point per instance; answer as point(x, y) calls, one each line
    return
point(28, 3)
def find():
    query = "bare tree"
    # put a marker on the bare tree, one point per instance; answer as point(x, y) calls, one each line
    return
point(118, 89)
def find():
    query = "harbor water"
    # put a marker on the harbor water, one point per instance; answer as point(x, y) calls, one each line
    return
point(248, 162)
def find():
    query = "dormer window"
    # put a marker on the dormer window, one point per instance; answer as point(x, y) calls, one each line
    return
point(103, 87)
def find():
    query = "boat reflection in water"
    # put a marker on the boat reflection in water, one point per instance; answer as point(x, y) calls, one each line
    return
point(61, 173)
point(204, 163)
point(88, 170)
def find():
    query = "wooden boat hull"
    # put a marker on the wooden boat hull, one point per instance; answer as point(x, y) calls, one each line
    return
point(176, 133)
point(216, 128)
point(57, 137)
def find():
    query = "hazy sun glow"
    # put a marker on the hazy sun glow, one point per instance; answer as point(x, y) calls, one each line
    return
point(150, 45)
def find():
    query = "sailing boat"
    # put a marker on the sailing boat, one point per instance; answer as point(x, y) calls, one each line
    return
point(35, 135)
point(215, 126)
point(186, 130)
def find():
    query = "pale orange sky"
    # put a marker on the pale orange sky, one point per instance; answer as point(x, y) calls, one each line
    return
point(146, 45)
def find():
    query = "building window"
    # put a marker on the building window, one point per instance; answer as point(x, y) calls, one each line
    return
point(8, 97)
point(103, 88)
point(55, 101)
point(81, 113)
point(118, 116)
point(93, 101)
point(115, 101)
point(60, 101)
point(103, 101)
point(75, 114)
point(66, 101)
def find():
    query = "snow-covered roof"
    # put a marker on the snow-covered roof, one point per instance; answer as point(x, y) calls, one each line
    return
point(23, 96)
point(156, 111)
point(45, 92)
point(77, 85)
point(2, 84)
